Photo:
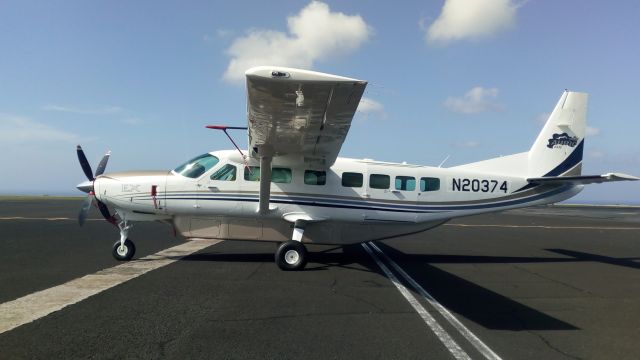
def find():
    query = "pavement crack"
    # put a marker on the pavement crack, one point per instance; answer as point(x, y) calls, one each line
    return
point(552, 347)
point(363, 301)
point(255, 270)
point(523, 327)
point(553, 280)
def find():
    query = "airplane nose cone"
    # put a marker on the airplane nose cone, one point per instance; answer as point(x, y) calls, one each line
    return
point(85, 186)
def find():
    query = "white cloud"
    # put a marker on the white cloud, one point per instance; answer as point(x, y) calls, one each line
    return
point(315, 33)
point(367, 106)
point(596, 154)
point(220, 34)
point(592, 131)
point(18, 129)
point(471, 19)
point(467, 144)
point(474, 101)
point(85, 111)
point(131, 121)
point(223, 33)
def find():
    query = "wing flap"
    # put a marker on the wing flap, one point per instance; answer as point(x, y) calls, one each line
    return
point(583, 179)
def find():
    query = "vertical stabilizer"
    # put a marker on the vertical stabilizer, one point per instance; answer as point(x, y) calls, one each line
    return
point(558, 149)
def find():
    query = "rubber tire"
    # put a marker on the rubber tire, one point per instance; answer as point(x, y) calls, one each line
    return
point(131, 250)
point(295, 246)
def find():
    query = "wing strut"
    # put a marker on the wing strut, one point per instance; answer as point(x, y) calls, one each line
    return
point(265, 184)
point(224, 129)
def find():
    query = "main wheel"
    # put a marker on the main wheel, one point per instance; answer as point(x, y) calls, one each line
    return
point(125, 252)
point(291, 255)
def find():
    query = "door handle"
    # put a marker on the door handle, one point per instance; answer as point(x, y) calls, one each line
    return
point(214, 189)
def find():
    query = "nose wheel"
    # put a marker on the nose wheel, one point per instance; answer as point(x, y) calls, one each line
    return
point(123, 251)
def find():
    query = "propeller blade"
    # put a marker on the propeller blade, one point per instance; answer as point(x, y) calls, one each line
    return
point(84, 163)
point(103, 164)
point(84, 210)
point(104, 210)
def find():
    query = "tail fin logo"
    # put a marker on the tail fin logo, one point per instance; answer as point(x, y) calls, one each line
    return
point(557, 140)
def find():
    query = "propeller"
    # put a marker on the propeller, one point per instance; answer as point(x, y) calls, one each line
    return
point(87, 186)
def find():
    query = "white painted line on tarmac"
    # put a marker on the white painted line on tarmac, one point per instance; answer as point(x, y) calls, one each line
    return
point(463, 330)
point(547, 227)
point(42, 303)
point(437, 329)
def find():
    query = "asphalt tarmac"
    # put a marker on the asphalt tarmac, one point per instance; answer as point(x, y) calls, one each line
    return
point(541, 283)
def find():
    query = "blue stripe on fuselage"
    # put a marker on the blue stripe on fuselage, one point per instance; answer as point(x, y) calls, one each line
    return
point(366, 205)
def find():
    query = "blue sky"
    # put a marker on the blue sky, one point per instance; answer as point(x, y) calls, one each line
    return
point(468, 79)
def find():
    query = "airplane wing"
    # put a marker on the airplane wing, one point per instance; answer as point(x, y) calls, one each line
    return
point(299, 115)
point(583, 180)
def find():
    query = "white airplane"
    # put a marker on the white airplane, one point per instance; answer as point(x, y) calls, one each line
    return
point(291, 187)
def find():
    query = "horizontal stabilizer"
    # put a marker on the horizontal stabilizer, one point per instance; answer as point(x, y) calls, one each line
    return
point(583, 179)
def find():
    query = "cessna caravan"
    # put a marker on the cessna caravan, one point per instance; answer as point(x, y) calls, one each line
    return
point(291, 187)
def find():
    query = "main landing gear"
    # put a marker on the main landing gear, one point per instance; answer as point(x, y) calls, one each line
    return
point(124, 249)
point(292, 254)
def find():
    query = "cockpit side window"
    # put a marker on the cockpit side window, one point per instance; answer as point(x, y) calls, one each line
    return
point(225, 173)
point(197, 166)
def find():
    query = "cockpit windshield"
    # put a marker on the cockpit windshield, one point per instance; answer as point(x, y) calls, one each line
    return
point(197, 166)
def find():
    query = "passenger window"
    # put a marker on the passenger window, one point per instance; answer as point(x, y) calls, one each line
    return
point(278, 175)
point(313, 177)
point(429, 184)
point(252, 173)
point(281, 175)
point(350, 179)
point(378, 181)
point(405, 183)
point(225, 173)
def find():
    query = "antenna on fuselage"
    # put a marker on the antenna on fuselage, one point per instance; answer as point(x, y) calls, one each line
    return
point(443, 161)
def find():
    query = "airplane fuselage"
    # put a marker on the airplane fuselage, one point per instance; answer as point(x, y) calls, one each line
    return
point(352, 201)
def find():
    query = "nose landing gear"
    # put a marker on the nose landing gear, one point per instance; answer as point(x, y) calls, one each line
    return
point(124, 249)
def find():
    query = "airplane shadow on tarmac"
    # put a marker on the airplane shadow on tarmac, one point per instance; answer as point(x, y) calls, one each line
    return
point(471, 301)
point(334, 256)
point(582, 256)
